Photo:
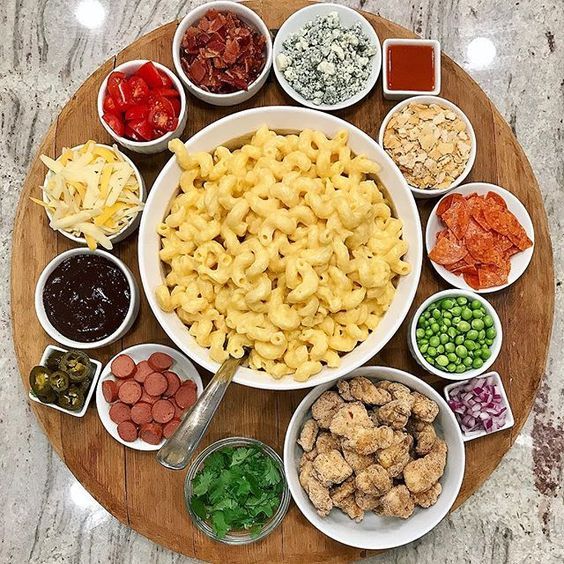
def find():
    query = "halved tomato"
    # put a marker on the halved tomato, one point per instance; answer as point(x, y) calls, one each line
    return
point(115, 123)
point(120, 90)
point(139, 89)
point(142, 128)
point(166, 80)
point(150, 74)
point(167, 92)
point(109, 105)
point(176, 105)
point(162, 114)
point(137, 112)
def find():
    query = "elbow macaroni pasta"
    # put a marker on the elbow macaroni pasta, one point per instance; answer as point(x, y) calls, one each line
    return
point(286, 246)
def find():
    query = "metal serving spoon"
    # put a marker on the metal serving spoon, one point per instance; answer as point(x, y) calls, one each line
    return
point(178, 449)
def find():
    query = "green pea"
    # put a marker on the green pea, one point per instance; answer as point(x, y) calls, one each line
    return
point(435, 327)
point(441, 349)
point(442, 360)
point(476, 304)
point(420, 333)
point(457, 310)
point(449, 347)
point(467, 361)
point(462, 300)
point(481, 335)
point(429, 332)
point(427, 315)
point(466, 313)
point(477, 324)
point(477, 353)
point(430, 359)
point(423, 348)
point(436, 314)
point(461, 351)
point(470, 345)
point(432, 351)
point(423, 341)
point(489, 342)
point(451, 367)
point(478, 363)
point(458, 361)
point(463, 326)
point(456, 319)
point(460, 369)
point(434, 341)
point(459, 340)
point(447, 303)
point(472, 334)
point(447, 322)
point(491, 333)
point(447, 315)
point(488, 321)
point(486, 353)
point(421, 321)
point(444, 338)
point(451, 357)
point(477, 314)
point(442, 328)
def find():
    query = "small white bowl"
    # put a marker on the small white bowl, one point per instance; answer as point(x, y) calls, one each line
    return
point(348, 17)
point(401, 94)
point(495, 348)
point(59, 337)
point(418, 192)
point(156, 145)
point(519, 261)
point(128, 229)
point(509, 420)
point(248, 16)
point(182, 366)
point(376, 532)
point(97, 372)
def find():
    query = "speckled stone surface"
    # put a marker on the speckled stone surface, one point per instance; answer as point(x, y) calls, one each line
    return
point(514, 49)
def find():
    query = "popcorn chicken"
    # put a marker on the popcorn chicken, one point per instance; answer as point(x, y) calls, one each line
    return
point(395, 413)
point(344, 390)
point(374, 480)
point(395, 458)
point(357, 461)
point(319, 496)
point(308, 457)
point(332, 468)
point(349, 416)
point(326, 442)
point(424, 408)
point(421, 474)
point(365, 501)
point(428, 498)
point(325, 407)
point(343, 491)
point(365, 391)
point(368, 441)
point(397, 503)
point(308, 435)
point(399, 391)
point(425, 439)
point(350, 507)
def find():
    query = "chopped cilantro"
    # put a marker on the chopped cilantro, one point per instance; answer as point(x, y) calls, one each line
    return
point(238, 488)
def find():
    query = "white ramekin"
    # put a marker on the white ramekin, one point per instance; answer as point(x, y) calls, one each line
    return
point(247, 15)
point(54, 333)
point(128, 229)
point(156, 145)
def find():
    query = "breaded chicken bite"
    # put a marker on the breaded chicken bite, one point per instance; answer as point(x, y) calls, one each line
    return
point(365, 391)
point(424, 408)
point(325, 407)
point(344, 390)
point(365, 501)
point(308, 457)
point(350, 508)
point(421, 474)
point(319, 496)
point(397, 503)
point(357, 461)
point(339, 493)
point(331, 468)
point(374, 480)
point(349, 416)
point(368, 441)
point(425, 439)
point(428, 498)
point(399, 391)
point(308, 435)
point(396, 457)
point(326, 442)
point(395, 413)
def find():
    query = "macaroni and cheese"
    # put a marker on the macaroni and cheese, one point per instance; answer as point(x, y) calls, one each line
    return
point(286, 245)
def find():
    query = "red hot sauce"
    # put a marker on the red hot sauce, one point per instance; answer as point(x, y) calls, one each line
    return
point(411, 67)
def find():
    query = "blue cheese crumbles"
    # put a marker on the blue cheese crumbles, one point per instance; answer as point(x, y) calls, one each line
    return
point(325, 61)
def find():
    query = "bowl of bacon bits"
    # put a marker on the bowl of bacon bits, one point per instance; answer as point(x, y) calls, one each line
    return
point(142, 105)
point(222, 52)
point(480, 238)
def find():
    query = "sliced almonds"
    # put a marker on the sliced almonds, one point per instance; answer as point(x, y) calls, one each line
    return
point(92, 193)
point(429, 143)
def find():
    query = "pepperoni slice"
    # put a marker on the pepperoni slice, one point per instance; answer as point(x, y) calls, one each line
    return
point(490, 275)
point(457, 218)
point(143, 370)
point(495, 198)
point(127, 431)
point(178, 411)
point(476, 209)
point(141, 413)
point(163, 411)
point(447, 251)
point(472, 280)
point(173, 383)
point(130, 392)
point(123, 366)
point(145, 397)
point(110, 391)
point(151, 433)
point(186, 395)
point(120, 412)
point(160, 362)
point(170, 427)
point(156, 384)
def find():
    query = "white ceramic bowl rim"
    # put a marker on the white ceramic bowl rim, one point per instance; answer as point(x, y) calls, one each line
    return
point(247, 14)
point(40, 308)
point(431, 517)
point(429, 99)
point(138, 176)
point(495, 348)
point(149, 265)
point(127, 65)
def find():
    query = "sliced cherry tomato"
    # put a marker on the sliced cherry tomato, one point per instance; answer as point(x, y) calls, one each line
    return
point(109, 105)
point(115, 123)
point(166, 80)
point(167, 92)
point(120, 90)
point(137, 112)
point(176, 105)
point(139, 89)
point(142, 128)
point(130, 134)
point(150, 74)
point(161, 114)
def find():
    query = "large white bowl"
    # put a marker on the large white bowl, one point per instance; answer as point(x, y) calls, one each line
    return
point(376, 532)
point(286, 119)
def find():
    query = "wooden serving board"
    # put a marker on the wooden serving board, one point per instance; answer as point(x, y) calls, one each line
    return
point(131, 484)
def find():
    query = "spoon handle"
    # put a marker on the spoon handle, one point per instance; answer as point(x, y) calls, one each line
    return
point(178, 449)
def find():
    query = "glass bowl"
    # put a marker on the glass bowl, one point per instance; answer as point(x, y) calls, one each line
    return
point(243, 536)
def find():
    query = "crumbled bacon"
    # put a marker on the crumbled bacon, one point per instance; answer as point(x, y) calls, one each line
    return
point(221, 53)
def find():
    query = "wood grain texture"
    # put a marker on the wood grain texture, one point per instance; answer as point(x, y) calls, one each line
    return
point(130, 484)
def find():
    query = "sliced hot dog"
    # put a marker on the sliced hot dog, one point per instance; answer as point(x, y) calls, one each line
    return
point(163, 411)
point(143, 370)
point(130, 392)
point(120, 412)
point(160, 361)
point(141, 413)
point(155, 384)
point(127, 431)
point(123, 366)
point(170, 427)
point(110, 391)
point(178, 411)
point(186, 395)
point(146, 398)
point(173, 384)
point(151, 433)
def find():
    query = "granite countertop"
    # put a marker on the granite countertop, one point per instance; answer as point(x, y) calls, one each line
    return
point(514, 49)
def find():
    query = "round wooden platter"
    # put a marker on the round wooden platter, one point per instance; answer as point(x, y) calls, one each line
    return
point(131, 484)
